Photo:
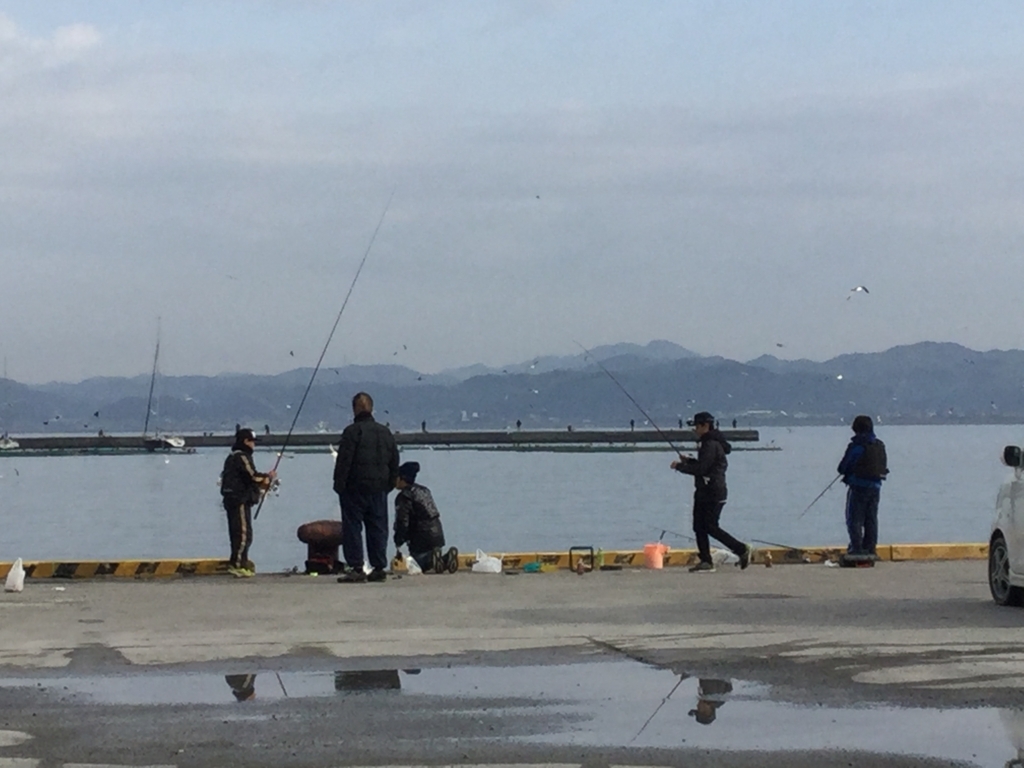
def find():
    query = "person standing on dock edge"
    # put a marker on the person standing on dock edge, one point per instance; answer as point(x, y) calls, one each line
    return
point(364, 473)
point(864, 466)
point(710, 492)
point(241, 486)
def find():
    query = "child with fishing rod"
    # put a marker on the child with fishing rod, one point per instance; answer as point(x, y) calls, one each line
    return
point(241, 486)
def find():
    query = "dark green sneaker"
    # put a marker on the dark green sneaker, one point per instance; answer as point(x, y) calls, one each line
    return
point(703, 567)
point(748, 553)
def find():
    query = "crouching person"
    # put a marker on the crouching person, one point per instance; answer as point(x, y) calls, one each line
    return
point(418, 524)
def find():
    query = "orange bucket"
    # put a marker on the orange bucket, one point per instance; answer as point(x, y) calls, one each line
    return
point(654, 555)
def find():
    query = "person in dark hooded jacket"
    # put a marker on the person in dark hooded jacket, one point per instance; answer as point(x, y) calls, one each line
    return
point(864, 466)
point(364, 473)
point(710, 492)
point(241, 486)
point(418, 523)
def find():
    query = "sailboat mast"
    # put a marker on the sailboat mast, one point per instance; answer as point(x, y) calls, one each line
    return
point(152, 380)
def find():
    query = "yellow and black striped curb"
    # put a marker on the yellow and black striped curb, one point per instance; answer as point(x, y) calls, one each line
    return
point(86, 569)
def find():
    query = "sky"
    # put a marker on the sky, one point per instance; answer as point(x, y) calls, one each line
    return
point(717, 174)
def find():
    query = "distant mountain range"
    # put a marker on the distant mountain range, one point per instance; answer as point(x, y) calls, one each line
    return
point(926, 383)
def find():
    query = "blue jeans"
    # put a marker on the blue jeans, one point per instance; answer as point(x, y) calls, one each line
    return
point(369, 510)
point(862, 519)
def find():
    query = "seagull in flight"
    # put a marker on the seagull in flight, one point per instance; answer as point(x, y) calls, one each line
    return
point(858, 289)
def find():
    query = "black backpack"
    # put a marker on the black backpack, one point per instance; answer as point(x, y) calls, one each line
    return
point(873, 463)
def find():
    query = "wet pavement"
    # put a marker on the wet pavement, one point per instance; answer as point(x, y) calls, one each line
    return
point(596, 706)
point(901, 665)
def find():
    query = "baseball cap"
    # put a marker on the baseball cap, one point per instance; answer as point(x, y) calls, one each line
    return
point(700, 418)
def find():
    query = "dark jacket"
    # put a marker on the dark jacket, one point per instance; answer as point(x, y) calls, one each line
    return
point(864, 465)
point(367, 458)
point(239, 480)
point(417, 520)
point(708, 469)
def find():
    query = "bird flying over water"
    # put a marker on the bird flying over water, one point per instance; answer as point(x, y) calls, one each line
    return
point(858, 289)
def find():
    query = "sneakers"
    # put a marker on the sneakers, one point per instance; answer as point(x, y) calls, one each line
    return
point(377, 575)
point(355, 576)
point(437, 561)
point(451, 560)
point(241, 573)
point(748, 552)
point(702, 567)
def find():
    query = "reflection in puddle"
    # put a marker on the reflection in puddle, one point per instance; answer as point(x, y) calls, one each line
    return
point(710, 696)
point(621, 703)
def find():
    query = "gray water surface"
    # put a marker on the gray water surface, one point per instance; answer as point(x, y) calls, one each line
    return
point(942, 488)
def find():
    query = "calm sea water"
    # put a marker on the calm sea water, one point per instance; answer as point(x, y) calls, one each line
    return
point(942, 488)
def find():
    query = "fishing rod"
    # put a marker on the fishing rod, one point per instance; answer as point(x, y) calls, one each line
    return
point(820, 495)
point(674, 533)
point(323, 352)
point(776, 544)
point(658, 709)
point(757, 541)
point(631, 398)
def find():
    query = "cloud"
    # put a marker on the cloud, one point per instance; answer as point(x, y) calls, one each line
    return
point(22, 54)
point(146, 182)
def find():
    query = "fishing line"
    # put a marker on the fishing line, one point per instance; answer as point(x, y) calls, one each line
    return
point(631, 399)
point(330, 336)
point(820, 495)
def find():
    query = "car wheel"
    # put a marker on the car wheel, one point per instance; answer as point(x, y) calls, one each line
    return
point(1003, 592)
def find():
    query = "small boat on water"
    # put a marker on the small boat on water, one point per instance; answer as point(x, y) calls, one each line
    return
point(158, 442)
point(7, 443)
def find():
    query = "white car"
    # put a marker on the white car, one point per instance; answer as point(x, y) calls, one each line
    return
point(1006, 544)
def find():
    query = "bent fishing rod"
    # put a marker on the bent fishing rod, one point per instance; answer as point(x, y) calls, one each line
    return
point(631, 398)
point(820, 495)
point(323, 352)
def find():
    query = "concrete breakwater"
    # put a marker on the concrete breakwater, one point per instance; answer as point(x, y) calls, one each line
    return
point(513, 562)
point(469, 438)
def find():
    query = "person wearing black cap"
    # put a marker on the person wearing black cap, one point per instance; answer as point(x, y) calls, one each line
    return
point(710, 492)
point(364, 473)
point(241, 486)
point(418, 523)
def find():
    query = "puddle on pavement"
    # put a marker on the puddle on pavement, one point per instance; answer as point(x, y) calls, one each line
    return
point(622, 703)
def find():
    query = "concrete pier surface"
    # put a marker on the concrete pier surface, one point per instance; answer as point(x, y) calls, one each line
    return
point(631, 667)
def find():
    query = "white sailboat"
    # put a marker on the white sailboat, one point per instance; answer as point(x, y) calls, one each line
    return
point(157, 442)
point(7, 443)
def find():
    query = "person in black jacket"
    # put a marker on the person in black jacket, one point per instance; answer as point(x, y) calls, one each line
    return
point(418, 523)
point(364, 473)
point(710, 492)
point(241, 486)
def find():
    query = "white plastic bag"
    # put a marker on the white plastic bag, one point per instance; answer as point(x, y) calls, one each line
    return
point(484, 563)
point(722, 557)
point(15, 577)
point(412, 567)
